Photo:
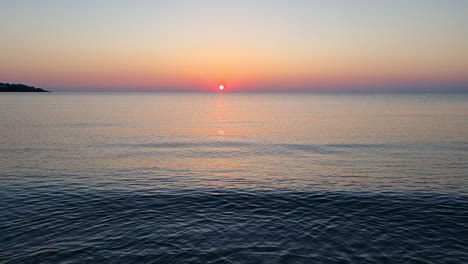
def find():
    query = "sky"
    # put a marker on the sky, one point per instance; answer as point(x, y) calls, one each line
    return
point(246, 45)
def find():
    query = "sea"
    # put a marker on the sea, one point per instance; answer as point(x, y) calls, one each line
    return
point(233, 178)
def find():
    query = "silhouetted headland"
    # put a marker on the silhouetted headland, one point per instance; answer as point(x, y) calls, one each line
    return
point(10, 87)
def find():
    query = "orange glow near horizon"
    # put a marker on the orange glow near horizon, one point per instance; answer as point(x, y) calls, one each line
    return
point(275, 46)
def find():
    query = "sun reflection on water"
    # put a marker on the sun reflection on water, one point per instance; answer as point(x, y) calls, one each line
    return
point(221, 113)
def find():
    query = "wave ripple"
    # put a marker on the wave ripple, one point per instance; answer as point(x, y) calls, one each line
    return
point(232, 227)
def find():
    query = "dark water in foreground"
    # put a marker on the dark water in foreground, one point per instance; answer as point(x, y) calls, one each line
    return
point(208, 178)
point(233, 227)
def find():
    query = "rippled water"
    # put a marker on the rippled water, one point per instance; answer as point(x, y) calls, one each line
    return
point(233, 178)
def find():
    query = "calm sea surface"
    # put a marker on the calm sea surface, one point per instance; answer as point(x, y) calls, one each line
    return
point(233, 178)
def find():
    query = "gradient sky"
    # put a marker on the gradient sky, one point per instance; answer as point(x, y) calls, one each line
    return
point(289, 45)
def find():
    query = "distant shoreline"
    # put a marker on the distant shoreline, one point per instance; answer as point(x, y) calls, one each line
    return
point(20, 88)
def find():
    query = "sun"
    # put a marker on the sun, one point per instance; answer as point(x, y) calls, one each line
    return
point(221, 87)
